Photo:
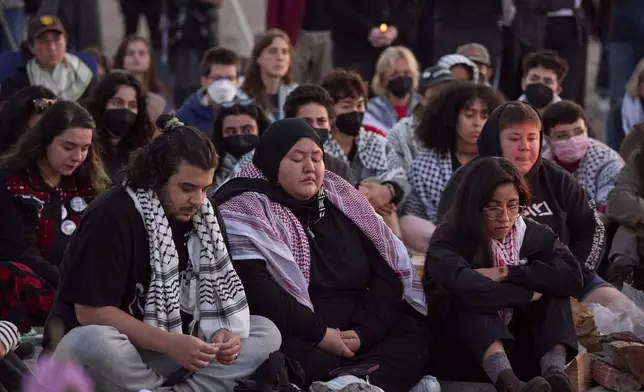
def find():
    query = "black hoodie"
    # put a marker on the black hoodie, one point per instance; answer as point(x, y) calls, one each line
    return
point(557, 201)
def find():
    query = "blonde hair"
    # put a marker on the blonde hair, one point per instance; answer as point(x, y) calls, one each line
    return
point(386, 63)
point(633, 84)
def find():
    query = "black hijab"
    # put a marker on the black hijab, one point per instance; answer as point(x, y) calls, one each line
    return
point(273, 146)
point(277, 141)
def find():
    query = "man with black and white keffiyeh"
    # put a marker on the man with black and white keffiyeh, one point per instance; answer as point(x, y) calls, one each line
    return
point(150, 298)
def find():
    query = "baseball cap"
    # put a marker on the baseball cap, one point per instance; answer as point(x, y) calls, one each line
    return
point(42, 24)
point(475, 52)
point(433, 76)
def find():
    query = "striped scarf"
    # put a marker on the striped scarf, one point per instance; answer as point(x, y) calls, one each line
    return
point(259, 228)
point(213, 292)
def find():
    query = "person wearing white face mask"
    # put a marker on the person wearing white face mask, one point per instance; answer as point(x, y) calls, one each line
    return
point(219, 83)
point(594, 164)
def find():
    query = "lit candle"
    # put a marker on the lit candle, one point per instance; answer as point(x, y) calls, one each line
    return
point(383, 28)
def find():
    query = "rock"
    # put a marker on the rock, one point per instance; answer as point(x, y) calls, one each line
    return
point(628, 357)
point(612, 378)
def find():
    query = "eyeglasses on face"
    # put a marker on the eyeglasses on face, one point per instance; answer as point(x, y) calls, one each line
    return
point(42, 104)
point(494, 213)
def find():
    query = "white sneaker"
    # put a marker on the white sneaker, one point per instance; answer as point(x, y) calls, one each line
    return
point(346, 383)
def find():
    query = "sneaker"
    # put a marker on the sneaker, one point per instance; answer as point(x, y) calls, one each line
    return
point(346, 383)
point(558, 380)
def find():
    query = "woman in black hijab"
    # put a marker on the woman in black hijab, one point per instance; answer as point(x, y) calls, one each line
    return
point(316, 260)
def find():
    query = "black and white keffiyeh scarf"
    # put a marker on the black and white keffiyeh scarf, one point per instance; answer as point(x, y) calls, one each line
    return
point(429, 173)
point(214, 293)
point(225, 171)
point(371, 150)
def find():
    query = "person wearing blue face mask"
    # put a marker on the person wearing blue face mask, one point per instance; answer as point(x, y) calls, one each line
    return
point(219, 83)
point(594, 164)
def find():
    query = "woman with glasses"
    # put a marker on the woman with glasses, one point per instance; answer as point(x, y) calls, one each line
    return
point(499, 286)
point(22, 112)
point(46, 183)
point(119, 107)
point(236, 132)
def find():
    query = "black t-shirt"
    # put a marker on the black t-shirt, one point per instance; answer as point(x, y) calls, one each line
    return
point(107, 262)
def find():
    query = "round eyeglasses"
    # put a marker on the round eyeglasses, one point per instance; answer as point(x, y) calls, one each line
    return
point(494, 213)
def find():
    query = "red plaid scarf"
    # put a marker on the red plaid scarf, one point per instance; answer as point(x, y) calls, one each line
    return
point(506, 253)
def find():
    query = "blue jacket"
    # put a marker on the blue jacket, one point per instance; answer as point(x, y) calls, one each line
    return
point(195, 114)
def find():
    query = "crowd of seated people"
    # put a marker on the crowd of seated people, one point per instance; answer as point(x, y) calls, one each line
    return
point(182, 252)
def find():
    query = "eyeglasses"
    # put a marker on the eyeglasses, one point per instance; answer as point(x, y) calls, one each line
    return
point(237, 102)
point(494, 213)
point(42, 104)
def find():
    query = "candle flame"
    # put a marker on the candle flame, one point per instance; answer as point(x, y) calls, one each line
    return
point(383, 27)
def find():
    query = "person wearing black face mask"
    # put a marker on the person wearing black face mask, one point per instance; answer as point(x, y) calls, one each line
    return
point(235, 134)
point(123, 124)
point(394, 85)
point(374, 165)
point(313, 104)
point(544, 72)
point(118, 121)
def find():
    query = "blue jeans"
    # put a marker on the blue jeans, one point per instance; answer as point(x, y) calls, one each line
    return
point(623, 57)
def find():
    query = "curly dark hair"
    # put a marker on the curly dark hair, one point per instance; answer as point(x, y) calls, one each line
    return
point(16, 112)
point(344, 83)
point(546, 59)
point(437, 129)
point(151, 166)
point(142, 130)
point(58, 118)
point(466, 219)
point(305, 94)
point(252, 109)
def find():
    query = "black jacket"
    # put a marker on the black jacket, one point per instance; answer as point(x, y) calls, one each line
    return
point(338, 166)
point(558, 200)
point(550, 269)
point(353, 19)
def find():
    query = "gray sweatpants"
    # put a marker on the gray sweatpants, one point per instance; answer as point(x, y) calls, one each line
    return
point(116, 365)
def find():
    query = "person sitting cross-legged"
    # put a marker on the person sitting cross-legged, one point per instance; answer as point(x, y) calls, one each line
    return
point(498, 287)
point(149, 296)
point(316, 259)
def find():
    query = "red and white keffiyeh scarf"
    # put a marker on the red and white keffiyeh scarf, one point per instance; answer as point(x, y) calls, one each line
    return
point(505, 253)
point(259, 228)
